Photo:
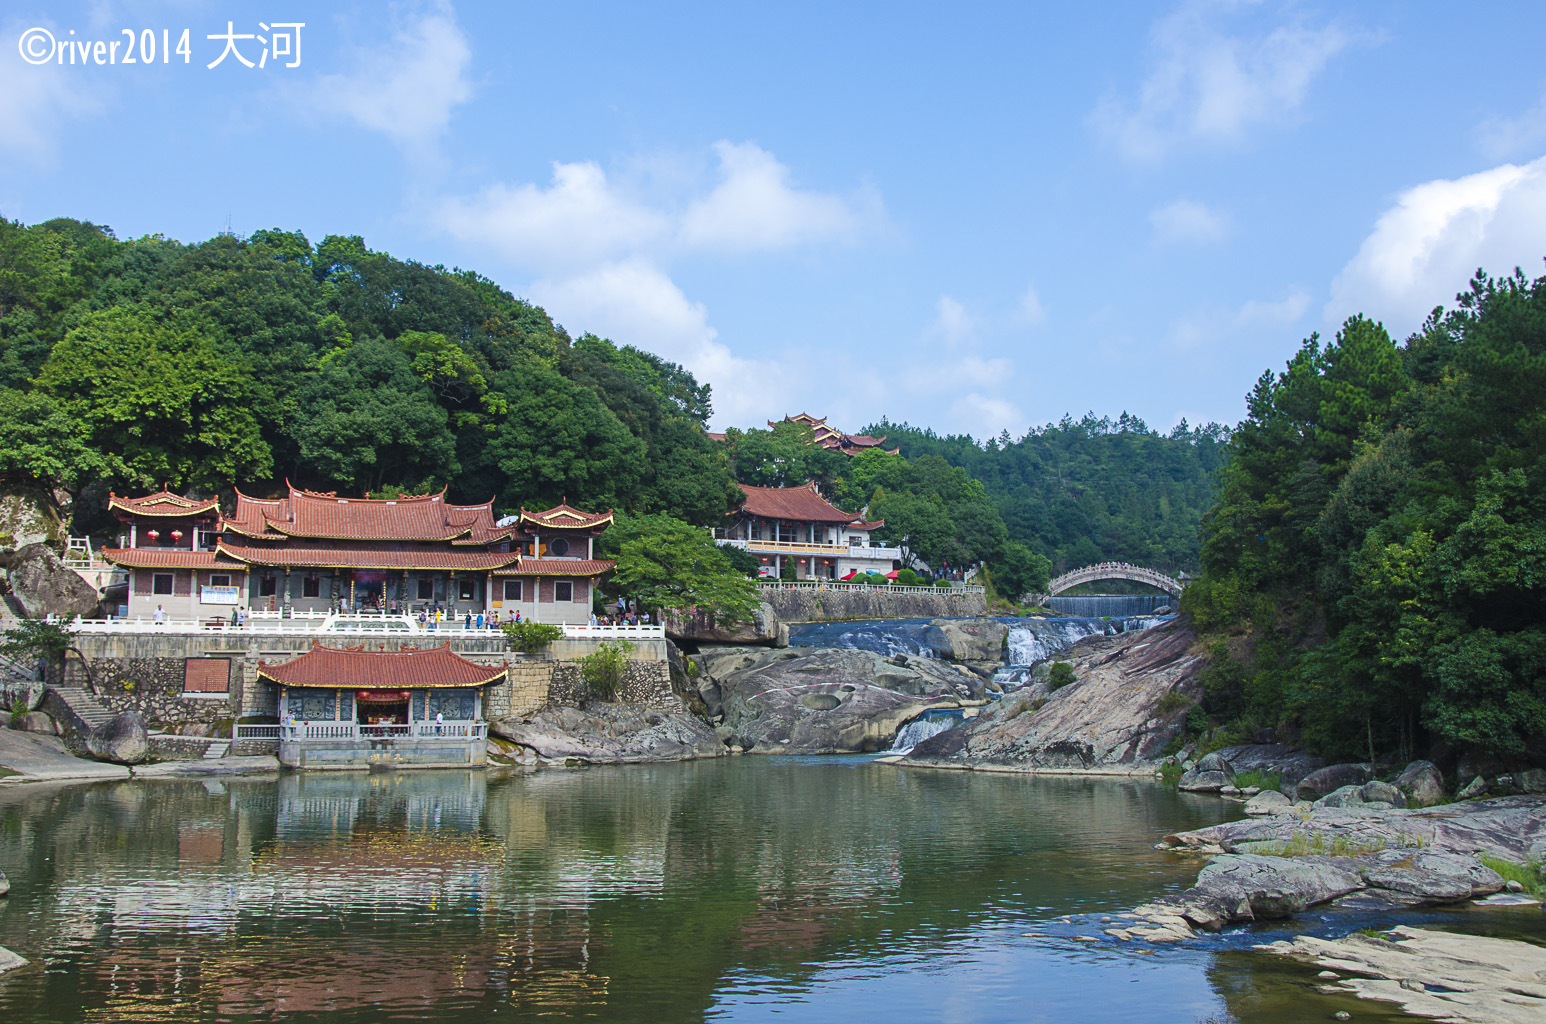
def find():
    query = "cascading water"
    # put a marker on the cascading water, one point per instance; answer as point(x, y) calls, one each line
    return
point(1033, 640)
point(932, 723)
point(1114, 605)
point(880, 636)
point(1030, 640)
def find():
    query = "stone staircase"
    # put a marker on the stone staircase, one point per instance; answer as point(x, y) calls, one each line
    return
point(86, 707)
point(216, 749)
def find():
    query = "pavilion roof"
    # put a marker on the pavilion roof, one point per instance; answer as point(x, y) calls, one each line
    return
point(409, 668)
point(557, 567)
point(565, 517)
point(168, 558)
point(325, 516)
point(313, 555)
point(799, 504)
point(162, 503)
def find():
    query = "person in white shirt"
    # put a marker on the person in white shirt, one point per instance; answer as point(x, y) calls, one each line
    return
point(159, 617)
point(440, 721)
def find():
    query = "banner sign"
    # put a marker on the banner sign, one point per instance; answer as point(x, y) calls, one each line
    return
point(220, 595)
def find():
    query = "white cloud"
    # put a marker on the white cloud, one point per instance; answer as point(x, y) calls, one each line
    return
point(984, 416)
point(1211, 85)
point(1425, 248)
point(1030, 311)
point(754, 207)
point(1187, 221)
point(952, 322)
point(638, 304)
point(580, 218)
point(37, 101)
point(408, 88)
point(1213, 323)
point(1501, 137)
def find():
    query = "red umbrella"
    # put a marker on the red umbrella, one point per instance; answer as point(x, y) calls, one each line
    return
point(892, 574)
point(851, 574)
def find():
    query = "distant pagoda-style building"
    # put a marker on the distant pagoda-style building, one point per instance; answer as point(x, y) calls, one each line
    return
point(834, 439)
point(314, 551)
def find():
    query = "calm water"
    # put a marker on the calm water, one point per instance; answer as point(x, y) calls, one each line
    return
point(747, 889)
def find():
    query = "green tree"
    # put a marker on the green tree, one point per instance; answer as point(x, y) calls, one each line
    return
point(164, 402)
point(664, 563)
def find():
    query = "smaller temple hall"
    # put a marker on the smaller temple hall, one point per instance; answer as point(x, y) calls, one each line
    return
point(349, 707)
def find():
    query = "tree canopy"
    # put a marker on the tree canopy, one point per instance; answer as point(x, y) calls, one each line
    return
point(1374, 568)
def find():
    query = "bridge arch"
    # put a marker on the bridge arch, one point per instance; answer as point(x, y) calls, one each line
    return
point(1114, 571)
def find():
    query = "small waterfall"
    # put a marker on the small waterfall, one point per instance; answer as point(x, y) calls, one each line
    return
point(1114, 605)
point(931, 723)
point(879, 636)
point(1033, 640)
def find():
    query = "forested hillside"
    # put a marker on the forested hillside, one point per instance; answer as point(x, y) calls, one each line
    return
point(1375, 567)
point(1089, 490)
point(129, 364)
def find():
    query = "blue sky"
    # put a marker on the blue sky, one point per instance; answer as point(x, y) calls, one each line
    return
point(972, 217)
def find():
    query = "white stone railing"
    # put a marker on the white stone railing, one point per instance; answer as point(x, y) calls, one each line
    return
point(788, 547)
point(311, 625)
point(955, 590)
point(301, 731)
point(255, 732)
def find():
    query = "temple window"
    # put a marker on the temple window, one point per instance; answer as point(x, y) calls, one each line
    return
point(161, 583)
point(513, 590)
point(219, 581)
point(426, 589)
point(563, 590)
point(267, 587)
point(559, 547)
point(311, 586)
point(467, 590)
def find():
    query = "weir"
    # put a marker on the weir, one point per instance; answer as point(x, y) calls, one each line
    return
point(1097, 605)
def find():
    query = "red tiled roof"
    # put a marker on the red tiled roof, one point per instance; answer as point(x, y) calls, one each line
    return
point(298, 555)
point(162, 503)
point(800, 504)
point(167, 558)
point(862, 525)
point(311, 514)
point(557, 567)
point(407, 669)
point(566, 517)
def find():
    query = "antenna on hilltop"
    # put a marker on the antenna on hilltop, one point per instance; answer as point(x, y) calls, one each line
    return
point(227, 232)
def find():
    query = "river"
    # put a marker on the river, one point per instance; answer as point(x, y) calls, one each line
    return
point(743, 889)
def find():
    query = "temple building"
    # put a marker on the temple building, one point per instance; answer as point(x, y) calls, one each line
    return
point(349, 707)
point(831, 437)
point(797, 525)
point(314, 552)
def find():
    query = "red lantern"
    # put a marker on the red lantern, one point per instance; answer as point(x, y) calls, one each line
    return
point(153, 534)
point(177, 535)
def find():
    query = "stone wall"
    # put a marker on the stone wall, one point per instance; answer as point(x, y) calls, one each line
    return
point(830, 605)
point(146, 671)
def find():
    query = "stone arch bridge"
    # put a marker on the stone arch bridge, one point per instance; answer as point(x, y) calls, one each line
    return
point(1112, 571)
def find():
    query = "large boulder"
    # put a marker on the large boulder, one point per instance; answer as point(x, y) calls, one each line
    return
point(1422, 783)
point(122, 739)
point(35, 721)
point(1430, 876)
point(1110, 718)
point(43, 585)
point(1532, 781)
point(29, 515)
point(703, 627)
point(1268, 802)
point(1331, 778)
point(1280, 886)
point(821, 700)
point(968, 639)
point(612, 733)
point(1288, 762)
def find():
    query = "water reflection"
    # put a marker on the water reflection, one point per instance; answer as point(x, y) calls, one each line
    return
point(674, 892)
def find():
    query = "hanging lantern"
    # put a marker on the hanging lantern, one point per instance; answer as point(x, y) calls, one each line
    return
point(177, 535)
point(153, 534)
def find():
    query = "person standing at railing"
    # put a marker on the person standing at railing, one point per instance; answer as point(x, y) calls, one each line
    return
point(159, 618)
point(440, 722)
point(468, 623)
